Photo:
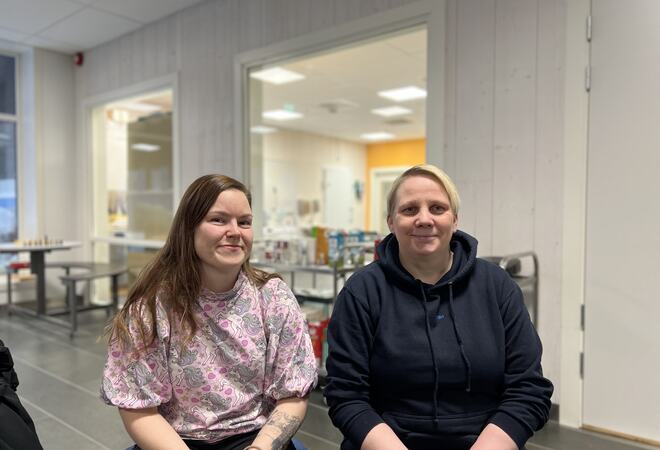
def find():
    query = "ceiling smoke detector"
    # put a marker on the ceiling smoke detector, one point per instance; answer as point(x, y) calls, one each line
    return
point(338, 105)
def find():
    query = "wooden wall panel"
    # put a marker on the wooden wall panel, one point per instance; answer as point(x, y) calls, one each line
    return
point(514, 130)
point(475, 64)
point(548, 217)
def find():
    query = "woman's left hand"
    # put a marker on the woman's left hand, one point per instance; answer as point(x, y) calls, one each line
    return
point(282, 424)
point(494, 438)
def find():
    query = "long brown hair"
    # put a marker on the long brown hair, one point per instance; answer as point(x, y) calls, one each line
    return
point(173, 275)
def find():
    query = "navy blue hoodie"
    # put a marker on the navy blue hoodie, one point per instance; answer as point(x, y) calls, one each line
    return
point(437, 363)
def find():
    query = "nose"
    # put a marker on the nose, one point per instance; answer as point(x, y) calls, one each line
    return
point(424, 218)
point(232, 228)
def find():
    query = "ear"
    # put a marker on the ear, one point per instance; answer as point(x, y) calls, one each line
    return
point(390, 223)
point(454, 226)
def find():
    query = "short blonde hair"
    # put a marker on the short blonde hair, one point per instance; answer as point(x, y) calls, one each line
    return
point(428, 171)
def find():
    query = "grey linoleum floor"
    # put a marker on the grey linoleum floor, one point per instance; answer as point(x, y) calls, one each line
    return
point(59, 384)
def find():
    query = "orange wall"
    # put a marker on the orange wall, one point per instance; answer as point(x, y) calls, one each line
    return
point(401, 153)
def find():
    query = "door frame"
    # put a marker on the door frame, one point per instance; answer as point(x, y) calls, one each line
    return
point(376, 176)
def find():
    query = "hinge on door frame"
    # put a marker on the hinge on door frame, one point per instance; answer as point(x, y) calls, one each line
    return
point(587, 78)
point(581, 364)
point(582, 316)
point(589, 28)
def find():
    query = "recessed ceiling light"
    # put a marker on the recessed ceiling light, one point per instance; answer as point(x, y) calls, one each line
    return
point(377, 136)
point(404, 94)
point(277, 75)
point(145, 147)
point(281, 114)
point(261, 129)
point(391, 111)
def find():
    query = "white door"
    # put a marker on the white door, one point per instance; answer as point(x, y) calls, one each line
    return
point(381, 183)
point(338, 197)
point(622, 326)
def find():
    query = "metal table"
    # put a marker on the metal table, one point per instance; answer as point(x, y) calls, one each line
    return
point(38, 264)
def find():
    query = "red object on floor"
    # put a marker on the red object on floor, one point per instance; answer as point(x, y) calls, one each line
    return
point(17, 265)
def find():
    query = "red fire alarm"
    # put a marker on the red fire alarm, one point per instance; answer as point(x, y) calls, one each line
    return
point(78, 59)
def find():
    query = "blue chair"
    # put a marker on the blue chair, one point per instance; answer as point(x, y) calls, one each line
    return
point(297, 444)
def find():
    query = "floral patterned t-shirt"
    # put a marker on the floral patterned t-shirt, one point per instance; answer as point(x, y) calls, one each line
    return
point(251, 349)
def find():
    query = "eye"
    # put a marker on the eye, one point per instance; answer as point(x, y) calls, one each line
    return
point(409, 210)
point(438, 209)
point(218, 220)
point(245, 223)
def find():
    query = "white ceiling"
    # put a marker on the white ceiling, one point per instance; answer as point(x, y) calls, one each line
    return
point(341, 88)
point(336, 97)
point(70, 26)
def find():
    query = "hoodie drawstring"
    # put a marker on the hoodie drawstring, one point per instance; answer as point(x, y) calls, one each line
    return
point(435, 364)
point(466, 360)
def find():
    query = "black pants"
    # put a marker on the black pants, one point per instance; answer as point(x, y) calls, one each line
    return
point(236, 442)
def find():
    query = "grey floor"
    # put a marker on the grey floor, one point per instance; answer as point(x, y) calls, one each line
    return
point(60, 380)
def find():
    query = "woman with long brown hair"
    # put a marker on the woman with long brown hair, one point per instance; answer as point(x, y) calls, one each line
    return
point(209, 352)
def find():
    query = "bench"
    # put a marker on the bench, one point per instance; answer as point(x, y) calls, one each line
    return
point(90, 271)
point(93, 271)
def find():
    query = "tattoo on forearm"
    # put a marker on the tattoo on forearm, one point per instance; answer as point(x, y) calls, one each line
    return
point(287, 424)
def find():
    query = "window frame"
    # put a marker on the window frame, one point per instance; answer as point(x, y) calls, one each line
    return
point(15, 119)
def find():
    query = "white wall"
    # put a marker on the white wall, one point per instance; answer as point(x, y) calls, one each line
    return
point(55, 143)
point(293, 164)
point(500, 117)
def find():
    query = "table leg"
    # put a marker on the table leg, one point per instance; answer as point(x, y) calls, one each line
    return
point(37, 267)
point(73, 306)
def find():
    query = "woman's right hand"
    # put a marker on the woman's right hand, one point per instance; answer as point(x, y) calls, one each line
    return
point(382, 437)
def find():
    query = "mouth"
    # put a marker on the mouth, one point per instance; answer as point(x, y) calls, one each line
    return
point(231, 247)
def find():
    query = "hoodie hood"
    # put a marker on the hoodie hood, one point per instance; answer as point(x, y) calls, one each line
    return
point(462, 245)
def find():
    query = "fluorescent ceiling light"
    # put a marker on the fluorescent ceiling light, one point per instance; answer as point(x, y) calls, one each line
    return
point(281, 114)
point(377, 136)
point(261, 129)
point(277, 75)
point(391, 111)
point(142, 107)
point(145, 147)
point(403, 94)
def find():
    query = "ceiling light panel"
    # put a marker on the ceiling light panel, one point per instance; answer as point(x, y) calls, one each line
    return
point(142, 147)
point(377, 136)
point(142, 107)
point(281, 114)
point(277, 75)
point(403, 94)
point(261, 129)
point(391, 111)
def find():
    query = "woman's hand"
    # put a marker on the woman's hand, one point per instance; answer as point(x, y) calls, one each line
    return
point(382, 437)
point(282, 424)
point(150, 430)
point(494, 438)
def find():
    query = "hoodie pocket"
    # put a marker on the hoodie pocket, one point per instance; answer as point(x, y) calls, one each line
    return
point(456, 432)
point(418, 441)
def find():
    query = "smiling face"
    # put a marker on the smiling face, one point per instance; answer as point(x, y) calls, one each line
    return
point(223, 239)
point(422, 219)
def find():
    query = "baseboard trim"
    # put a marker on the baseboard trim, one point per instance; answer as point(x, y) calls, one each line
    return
point(618, 434)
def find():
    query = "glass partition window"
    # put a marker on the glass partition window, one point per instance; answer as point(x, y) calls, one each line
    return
point(133, 167)
point(8, 125)
point(320, 125)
